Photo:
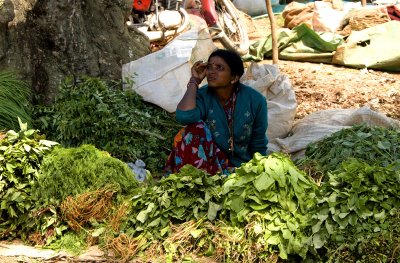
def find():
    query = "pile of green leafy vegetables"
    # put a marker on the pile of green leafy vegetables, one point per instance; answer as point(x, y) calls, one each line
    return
point(274, 193)
point(266, 202)
point(358, 201)
point(21, 157)
point(375, 145)
point(73, 171)
point(92, 111)
point(188, 195)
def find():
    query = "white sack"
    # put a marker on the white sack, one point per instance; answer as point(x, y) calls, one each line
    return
point(326, 18)
point(161, 77)
point(253, 7)
point(281, 98)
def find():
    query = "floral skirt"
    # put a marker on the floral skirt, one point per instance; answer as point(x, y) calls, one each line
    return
point(194, 145)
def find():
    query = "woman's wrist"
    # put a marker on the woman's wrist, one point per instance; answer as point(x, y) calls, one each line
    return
point(196, 79)
point(193, 81)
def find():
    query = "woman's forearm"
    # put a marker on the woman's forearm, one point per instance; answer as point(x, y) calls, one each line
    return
point(188, 101)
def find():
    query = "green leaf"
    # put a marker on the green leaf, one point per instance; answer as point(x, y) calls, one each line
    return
point(155, 222)
point(143, 215)
point(48, 143)
point(317, 241)
point(263, 182)
point(384, 145)
point(274, 239)
point(165, 230)
point(27, 147)
point(237, 204)
point(196, 233)
point(259, 207)
point(213, 209)
point(380, 216)
point(98, 232)
point(10, 167)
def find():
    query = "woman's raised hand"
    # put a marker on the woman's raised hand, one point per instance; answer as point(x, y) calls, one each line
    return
point(199, 70)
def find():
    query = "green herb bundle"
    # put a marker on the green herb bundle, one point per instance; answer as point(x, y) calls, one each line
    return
point(355, 202)
point(375, 145)
point(21, 156)
point(189, 194)
point(92, 111)
point(275, 198)
point(73, 171)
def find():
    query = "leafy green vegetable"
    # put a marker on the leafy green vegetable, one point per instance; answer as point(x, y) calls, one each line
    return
point(375, 145)
point(355, 202)
point(21, 156)
point(189, 194)
point(73, 171)
point(271, 191)
point(92, 111)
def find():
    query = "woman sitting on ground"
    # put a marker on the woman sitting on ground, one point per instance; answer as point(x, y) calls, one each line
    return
point(226, 120)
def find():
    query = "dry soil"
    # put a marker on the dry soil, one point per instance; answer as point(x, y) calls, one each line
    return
point(326, 86)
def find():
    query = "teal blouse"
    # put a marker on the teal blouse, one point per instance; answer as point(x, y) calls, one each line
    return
point(249, 125)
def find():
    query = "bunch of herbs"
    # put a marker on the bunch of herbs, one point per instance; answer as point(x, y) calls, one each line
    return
point(355, 203)
point(273, 197)
point(21, 157)
point(92, 111)
point(375, 145)
point(73, 171)
point(189, 194)
point(67, 173)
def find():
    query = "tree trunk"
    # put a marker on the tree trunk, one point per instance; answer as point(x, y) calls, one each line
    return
point(46, 40)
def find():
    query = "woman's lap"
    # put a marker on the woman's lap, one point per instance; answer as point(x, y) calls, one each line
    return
point(194, 145)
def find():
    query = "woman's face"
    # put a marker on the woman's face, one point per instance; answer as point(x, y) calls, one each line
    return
point(218, 73)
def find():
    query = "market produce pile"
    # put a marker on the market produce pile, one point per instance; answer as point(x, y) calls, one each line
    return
point(73, 188)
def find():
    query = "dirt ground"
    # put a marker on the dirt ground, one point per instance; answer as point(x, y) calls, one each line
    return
point(325, 86)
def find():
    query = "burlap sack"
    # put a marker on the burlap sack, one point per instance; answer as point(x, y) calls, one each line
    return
point(296, 13)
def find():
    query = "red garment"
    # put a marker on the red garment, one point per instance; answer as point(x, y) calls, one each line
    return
point(194, 145)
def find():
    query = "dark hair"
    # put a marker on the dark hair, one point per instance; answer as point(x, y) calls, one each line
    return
point(231, 58)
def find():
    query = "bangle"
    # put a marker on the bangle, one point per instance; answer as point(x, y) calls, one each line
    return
point(193, 81)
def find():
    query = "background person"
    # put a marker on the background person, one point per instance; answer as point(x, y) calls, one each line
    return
point(226, 120)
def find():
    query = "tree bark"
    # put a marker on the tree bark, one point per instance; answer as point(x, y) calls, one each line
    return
point(45, 41)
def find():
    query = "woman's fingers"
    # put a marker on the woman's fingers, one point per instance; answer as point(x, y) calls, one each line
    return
point(199, 70)
point(201, 66)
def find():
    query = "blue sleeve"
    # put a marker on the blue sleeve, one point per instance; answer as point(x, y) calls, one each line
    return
point(194, 115)
point(187, 117)
point(259, 139)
